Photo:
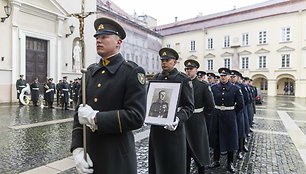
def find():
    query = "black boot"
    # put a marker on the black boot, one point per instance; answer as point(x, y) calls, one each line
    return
point(201, 170)
point(216, 157)
point(230, 167)
point(214, 164)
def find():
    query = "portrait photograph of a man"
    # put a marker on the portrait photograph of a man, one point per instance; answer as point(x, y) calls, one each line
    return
point(162, 102)
point(160, 106)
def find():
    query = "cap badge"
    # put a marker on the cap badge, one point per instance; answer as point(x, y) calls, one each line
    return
point(101, 26)
point(189, 63)
point(223, 71)
point(164, 54)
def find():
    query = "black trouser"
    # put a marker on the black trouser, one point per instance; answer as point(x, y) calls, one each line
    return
point(189, 155)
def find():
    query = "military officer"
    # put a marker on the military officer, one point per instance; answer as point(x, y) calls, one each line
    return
point(167, 144)
point(160, 107)
point(116, 105)
point(217, 79)
point(242, 118)
point(35, 91)
point(201, 75)
point(229, 101)
point(20, 84)
point(58, 93)
point(211, 78)
point(50, 91)
point(64, 88)
point(76, 90)
point(196, 130)
point(246, 81)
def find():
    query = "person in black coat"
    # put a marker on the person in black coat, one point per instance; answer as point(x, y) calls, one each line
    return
point(49, 92)
point(64, 88)
point(35, 91)
point(196, 130)
point(167, 144)
point(76, 90)
point(229, 101)
point(20, 84)
point(115, 106)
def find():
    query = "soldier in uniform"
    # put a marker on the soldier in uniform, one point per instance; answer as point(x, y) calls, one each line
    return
point(116, 105)
point(242, 117)
point(211, 78)
point(167, 144)
point(50, 91)
point(20, 84)
point(58, 93)
point(35, 91)
point(201, 75)
point(229, 101)
point(76, 90)
point(196, 130)
point(160, 107)
point(217, 79)
point(64, 88)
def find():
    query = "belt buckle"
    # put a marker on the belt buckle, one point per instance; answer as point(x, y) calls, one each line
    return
point(222, 108)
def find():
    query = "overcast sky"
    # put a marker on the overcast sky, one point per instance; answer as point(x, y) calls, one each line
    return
point(165, 11)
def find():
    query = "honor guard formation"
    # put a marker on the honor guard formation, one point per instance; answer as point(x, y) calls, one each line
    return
point(214, 111)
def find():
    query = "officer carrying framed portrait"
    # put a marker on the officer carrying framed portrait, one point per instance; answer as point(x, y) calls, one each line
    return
point(162, 100)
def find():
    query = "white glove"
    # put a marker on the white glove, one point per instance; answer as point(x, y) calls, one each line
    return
point(86, 115)
point(172, 126)
point(18, 91)
point(48, 90)
point(62, 94)
point(82, 166)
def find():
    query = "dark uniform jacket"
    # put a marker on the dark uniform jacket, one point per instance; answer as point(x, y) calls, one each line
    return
point(34, 91)
point(76, 90)
point(20, 84)
point(224, 130)
point(159, 109)
point(49, 92)
point(167, 149)
point(64, 88)
point(196, 130)
point(246, 100)
point(118, 92)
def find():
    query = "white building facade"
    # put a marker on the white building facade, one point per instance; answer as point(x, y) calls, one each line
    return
point(266, 42)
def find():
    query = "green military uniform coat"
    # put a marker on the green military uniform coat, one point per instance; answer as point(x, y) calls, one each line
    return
point(118, 92)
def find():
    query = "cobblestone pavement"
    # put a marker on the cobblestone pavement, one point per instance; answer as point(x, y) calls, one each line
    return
point(273, 145)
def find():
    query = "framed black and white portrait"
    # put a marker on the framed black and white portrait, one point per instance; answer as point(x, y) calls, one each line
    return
point(162, 102)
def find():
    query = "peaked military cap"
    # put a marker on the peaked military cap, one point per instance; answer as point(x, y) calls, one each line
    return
point(50, 79)
point(168, 53)
point(65, 77)
point(190, 63)
point(106, 26)
point(235, 73)
point(224, 71)
point(246, 78)
point(201, 73)
point(210, 75)
point(21, 75)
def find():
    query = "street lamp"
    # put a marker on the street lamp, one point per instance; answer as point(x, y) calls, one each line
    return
point(7, 10)
point(71, 28)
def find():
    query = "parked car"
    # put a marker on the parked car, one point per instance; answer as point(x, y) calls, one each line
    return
point(259, 97)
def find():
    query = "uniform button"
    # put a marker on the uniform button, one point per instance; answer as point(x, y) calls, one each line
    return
point(103, 71)
point(95, 100)
point(166, 78)
point(222, 93)
point(99, 85)
point(222, 98)
point(222, 104)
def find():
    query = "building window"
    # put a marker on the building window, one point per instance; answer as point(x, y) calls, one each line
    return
point(262, 37)
point(226, 43)
point(262, 62)
point(245, 39)
point(244, 62)
point(192, 45)
point(285, 34)
point(285, 60)
point(227, 63)
point(210, 64)
point(210, 43)
point(168, 45)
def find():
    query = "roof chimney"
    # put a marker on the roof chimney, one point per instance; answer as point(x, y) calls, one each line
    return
point(175, 19)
